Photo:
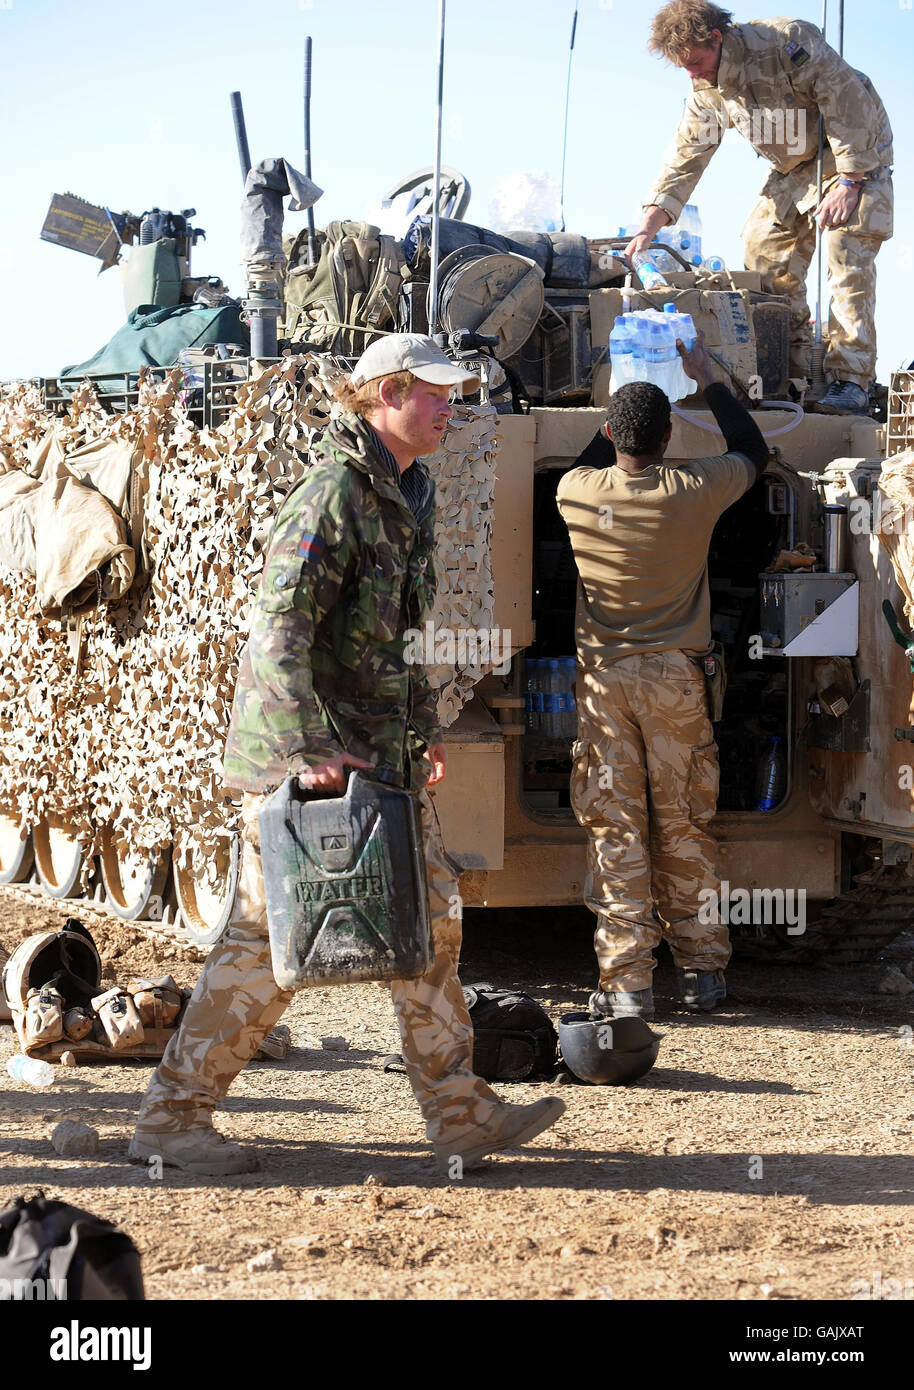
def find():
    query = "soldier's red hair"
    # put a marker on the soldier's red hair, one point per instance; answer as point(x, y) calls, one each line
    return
point(365, 400)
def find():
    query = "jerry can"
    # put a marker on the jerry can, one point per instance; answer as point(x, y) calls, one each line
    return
point(345, 885)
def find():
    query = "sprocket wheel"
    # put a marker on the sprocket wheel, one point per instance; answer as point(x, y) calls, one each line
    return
point(852, 929)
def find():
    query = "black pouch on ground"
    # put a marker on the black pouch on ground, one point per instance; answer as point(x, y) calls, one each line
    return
point(513, 1036)
point(86, 1257)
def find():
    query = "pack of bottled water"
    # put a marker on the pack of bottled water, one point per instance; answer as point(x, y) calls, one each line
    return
point(551, 711)
point(683, 236)
point(642, 347)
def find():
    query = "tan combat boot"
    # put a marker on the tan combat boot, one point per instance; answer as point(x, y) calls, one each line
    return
point(510, 1126)
point(200, 1149)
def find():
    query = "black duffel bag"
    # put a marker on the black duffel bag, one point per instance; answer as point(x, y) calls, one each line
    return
point(513, 1036)
point(69, 1253)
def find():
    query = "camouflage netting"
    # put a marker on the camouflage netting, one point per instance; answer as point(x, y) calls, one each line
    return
point(134, 737)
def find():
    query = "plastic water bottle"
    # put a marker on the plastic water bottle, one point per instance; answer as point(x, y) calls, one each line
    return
point(714, 263)
point(552, 685)
point(683, 329)
point(772, 775)
point(690, 226)
point(620, 353)
point(682, 325)
point(570, 725)
point(534, 687)
point(659, 353)
point(31, 1070)
point(538, 716)
point(572, 717)
point(646, 269)
point(641, 367)
point(548, 725)
point(680, 241)
point(664, 262)
point(558, 716)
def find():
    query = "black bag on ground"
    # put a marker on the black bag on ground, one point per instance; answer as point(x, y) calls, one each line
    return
point(513, 1036)
point(76, 1255)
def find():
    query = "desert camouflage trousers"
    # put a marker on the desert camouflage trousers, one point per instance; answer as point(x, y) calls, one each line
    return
point(237, 1001)
point(779, 242)
point(644, 784)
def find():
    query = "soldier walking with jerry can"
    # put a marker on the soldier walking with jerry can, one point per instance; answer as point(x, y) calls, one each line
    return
point(324, 687)
point(645, 773)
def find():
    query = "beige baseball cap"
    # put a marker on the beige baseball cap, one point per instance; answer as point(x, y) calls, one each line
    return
point(411, 352)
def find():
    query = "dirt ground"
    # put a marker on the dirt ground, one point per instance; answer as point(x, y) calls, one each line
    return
point(768, 1155)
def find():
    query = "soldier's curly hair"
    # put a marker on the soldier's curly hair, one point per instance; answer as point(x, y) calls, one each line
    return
point(365, 399)
point(638, 416)
point(686, 24)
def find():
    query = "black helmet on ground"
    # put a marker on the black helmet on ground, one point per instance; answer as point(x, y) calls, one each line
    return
point(607, 1051)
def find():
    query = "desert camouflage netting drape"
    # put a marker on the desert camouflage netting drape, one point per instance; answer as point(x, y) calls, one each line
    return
point(134, 737)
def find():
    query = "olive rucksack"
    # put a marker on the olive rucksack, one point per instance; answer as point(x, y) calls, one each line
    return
point(513, 1036)
point(338, 304)
point(51, 1250)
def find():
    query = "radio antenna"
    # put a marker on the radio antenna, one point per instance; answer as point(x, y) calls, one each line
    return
point(817, 360)
point(574, 25)
point(312, 260)
point(432, 301)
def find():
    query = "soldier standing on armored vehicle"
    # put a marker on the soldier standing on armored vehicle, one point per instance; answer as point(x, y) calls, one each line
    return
point(324, 686)
point(772, 79)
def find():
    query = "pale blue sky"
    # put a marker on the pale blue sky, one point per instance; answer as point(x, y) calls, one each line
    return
point(128, 105)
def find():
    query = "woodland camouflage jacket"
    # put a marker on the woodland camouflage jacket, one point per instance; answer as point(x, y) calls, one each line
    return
point(348, 570)
point(775, 78)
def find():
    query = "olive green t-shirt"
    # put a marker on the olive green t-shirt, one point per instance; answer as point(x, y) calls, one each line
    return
point(641, 546)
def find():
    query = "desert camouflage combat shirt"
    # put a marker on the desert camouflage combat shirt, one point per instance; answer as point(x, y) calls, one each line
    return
point(348, 570)
point(774, 79)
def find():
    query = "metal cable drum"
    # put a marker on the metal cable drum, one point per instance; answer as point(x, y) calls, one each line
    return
point(493, 294)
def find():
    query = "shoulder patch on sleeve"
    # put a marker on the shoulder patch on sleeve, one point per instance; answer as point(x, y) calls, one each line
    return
point(311, 548)
point(798, 55)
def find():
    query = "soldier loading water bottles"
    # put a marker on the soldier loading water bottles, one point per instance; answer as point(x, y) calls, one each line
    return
point(643, 347)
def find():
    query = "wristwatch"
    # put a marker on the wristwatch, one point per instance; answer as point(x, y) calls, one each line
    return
point(851, 183)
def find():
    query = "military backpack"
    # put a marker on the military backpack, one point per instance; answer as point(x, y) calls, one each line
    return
point(339, 304)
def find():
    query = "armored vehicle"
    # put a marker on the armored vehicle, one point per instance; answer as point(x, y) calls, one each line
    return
point(116, 682)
